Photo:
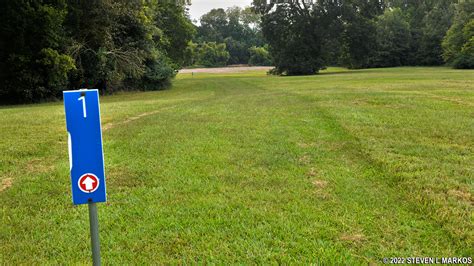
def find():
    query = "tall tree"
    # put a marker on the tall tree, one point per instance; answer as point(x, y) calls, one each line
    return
point(236, 27)
point(295, 39)
point(213, 26)
point(177, 29)
point(47, 46)
point(33, 62)
point(436, 22)
point(458, 45)
point(429, 20)
point(393, 40)
point(106, 41)
point(359, 31)
point(127, 43)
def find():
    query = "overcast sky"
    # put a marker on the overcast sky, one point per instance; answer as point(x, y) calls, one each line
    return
point(200, 7)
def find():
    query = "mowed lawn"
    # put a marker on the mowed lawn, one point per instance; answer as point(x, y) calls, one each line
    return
point(345, 166)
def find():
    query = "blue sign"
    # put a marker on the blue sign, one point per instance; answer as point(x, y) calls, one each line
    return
point(86, 158)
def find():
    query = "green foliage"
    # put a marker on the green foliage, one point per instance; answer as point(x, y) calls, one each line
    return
point(211, 54)
point(58, 65)
point(47, 46)
point(429, 21)
point(407, 33)
point(177, 30)
point(236, 27)
point(304, 38)
point(359, 40)
point(295, 43)
point(238, 51)
point(355, 30)
point(213, 26)
point(458, 43)
point(157, 74)
point(207, 54)
point(119, 47)
point(361, 33)
point(393, 39)
point(465, 60)
point(33, 63)
point(259, 56)
point(435, 24)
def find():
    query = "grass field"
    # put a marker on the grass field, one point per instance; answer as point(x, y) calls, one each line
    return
point(345, 166)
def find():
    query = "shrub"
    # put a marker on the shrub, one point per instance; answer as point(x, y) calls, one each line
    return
point(259, 56)
point(211, 54)
point(465, 60)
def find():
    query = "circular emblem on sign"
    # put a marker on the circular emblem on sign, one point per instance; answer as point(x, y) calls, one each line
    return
point(88, 183)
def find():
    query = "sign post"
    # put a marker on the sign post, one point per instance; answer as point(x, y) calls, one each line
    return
point(94, 225)
point(86, 158)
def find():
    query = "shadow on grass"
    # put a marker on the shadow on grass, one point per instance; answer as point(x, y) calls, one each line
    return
point(344, 72)
point(327, 72)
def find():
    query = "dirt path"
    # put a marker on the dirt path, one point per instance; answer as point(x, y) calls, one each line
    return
point(229, 69)
point(133, 118)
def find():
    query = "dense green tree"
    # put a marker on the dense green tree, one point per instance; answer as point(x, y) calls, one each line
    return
point(121, 44)
point(191, 54)
point(214, 26)
point(326, 32)
point(238, 51)
point(50, 45)
point(358, 41)
point(414, 12)
point(177, 29)
point(293, 36)
point(250, 18)
point(459, 41)
point(466, 57)
point(33, 62)
point(236, 27)
point(259, 56)
point(170, 30)
point(436, 22)
point(47, 46)
point(358, 38)
point(429, 20)
point(393, 39)
point(359, 33)
point(210, 54)
point(106, 42)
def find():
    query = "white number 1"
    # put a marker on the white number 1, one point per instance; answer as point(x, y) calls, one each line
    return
point(83, 99)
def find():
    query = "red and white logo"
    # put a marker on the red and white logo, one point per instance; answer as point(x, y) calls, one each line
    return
point(88, 183)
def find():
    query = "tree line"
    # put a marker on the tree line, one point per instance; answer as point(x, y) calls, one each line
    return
point(306, 36)
point(228, 37)
point(47, 46)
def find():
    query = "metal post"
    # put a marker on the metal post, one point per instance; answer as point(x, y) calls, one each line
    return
point(94, 224)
